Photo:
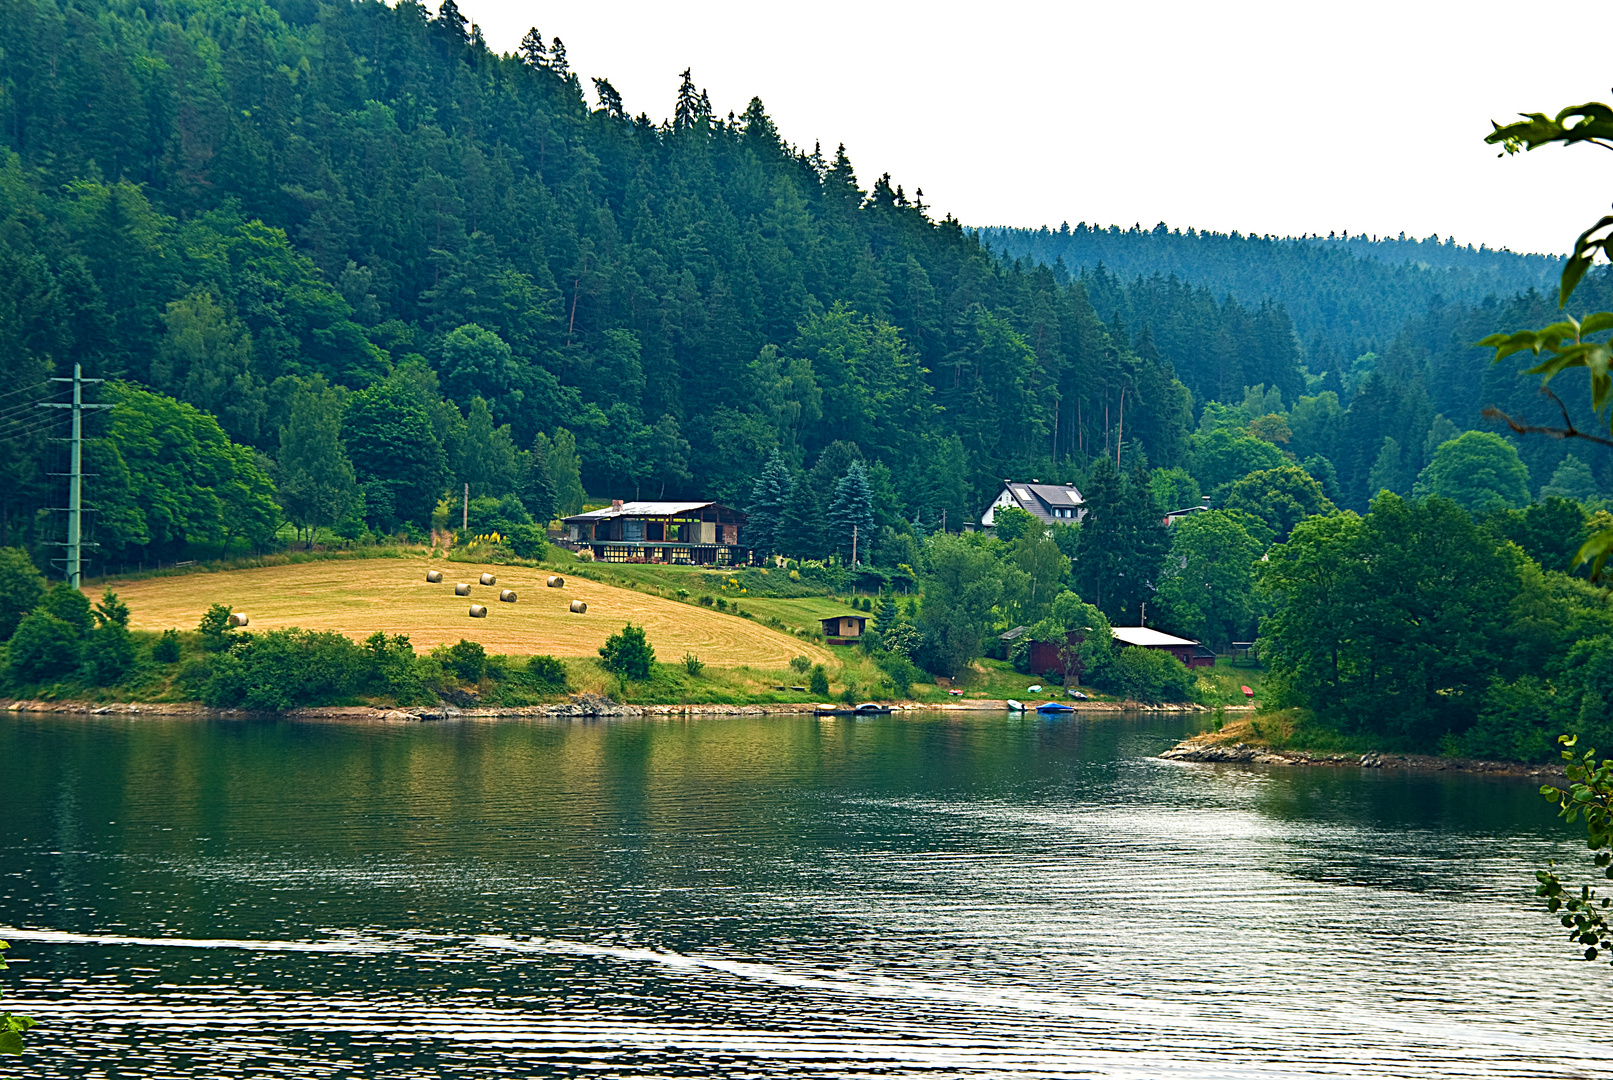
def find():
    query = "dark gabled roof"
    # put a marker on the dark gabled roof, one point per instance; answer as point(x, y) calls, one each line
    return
point(1041, 500)
point(651, 509)
point(1012, 635)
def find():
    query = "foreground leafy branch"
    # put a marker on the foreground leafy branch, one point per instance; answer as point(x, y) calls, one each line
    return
point(1589, 794)
point(1569, 343)
point(11, 1027)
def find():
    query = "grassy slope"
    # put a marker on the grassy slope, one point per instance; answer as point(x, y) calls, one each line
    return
point(361, 596)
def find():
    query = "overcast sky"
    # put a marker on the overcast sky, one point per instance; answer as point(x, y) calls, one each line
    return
point(1263, 117)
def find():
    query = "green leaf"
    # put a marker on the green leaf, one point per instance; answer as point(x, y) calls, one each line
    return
point(1596, 551)
point(10, 1042)
point(1585, 250)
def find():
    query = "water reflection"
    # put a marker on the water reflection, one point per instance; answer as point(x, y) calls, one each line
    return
point(786, 896)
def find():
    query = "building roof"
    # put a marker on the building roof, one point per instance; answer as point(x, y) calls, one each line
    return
point(862, 620)
point(1014, 634)
point(1147, 637)
point(1175, 515)
point(1041, 500)
point(649, 509)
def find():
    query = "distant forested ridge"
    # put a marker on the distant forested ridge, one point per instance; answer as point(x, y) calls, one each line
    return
point(294, 215)
point(1349, 290)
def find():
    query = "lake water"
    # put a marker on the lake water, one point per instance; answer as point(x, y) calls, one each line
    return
point(947, 896)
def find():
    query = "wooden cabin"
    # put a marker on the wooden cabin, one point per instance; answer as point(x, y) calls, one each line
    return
point(843, 629)
point(692, 533)
point(1062, 657)
point(1186, 650)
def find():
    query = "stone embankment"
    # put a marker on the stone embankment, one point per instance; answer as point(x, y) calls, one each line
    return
point(1202, 749)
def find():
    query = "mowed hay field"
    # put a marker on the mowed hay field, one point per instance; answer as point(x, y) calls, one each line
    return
point(359, 597)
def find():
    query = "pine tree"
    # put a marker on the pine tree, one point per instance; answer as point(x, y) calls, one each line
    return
point(532, 49)
point(610, 99)
point(887, 616)
point(450, 19)
point(851, 515)
point(687, 109)
point(801, 526)
point(557, 58)
point(538, 493)
point(768, 497)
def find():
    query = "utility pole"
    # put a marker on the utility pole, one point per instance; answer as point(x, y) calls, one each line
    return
point(464, 516)
point(75, 474)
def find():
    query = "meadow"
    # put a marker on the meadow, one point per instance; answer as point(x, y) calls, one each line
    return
point(359, 597)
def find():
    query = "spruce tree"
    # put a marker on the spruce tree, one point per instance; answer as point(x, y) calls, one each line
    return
point(450, 19)
point(538, 493)
point(852, 512)
point(801, 526)
point(768, 497)
point(532, 49)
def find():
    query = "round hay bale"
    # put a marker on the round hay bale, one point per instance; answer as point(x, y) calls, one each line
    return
point(477, 611)
point(579, 608)
point(489, 579)
point(434, 576)
point(462, 589)
point(238, 618)
point(556, 582)
point(507, 595)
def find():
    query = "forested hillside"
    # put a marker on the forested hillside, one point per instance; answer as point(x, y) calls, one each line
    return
point(353, 224)
point(1351, 292)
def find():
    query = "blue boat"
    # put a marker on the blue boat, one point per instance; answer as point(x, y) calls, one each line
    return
point(1054, 707)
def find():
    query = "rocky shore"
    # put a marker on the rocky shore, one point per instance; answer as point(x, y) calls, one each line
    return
point(1203, 748)
point(580, 705)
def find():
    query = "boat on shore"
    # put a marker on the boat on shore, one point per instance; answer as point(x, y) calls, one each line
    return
point(867, 708)
point(1015, 706)
point(1055, 707)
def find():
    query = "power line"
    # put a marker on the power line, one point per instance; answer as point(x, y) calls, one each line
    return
point(24, 389)
point(17, 410)
point(44, 425)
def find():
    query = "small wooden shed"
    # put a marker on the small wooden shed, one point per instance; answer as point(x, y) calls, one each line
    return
point(843, 629)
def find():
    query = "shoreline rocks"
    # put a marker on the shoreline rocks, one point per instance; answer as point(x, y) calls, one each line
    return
point(1199, 749)
point(464, 706)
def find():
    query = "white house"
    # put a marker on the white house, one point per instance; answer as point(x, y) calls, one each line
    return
point(1050, 503)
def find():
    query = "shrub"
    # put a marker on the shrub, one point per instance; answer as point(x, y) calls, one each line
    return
point(706, 601)
point(902, 637)
point(215, 628)
point(628, 653)
point(21, 588)
point(722, 604)
point(108, 654)
point(546, 673)
point(528, 541)
point(901, 671)
point(800, 664)
point(819, 682)
point(284, 669)
point(72, 607)
point(43, 647)
point(1148, 675)
point(692, 664)
point(467, 660)
point(166, 648)
point(393, 669)
point(866, 604)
